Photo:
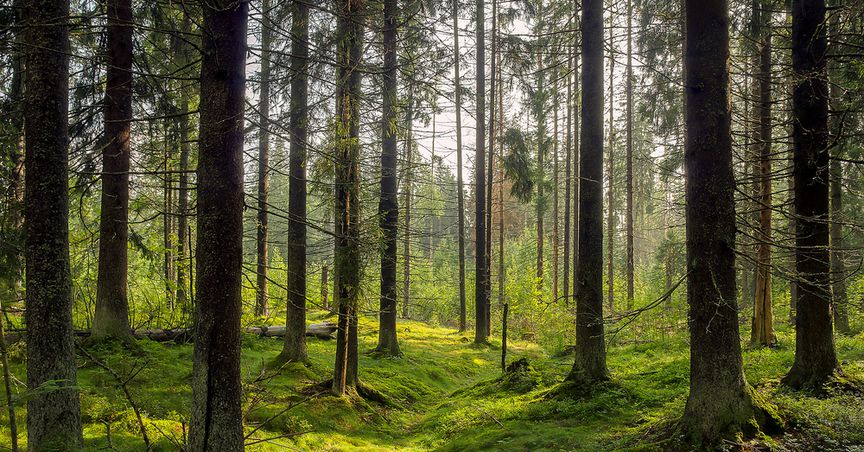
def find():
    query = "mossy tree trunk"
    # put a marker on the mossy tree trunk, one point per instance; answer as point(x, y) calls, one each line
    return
point(347, 160)
point(590, 363)
point(815, 355)
point(720, 400)
point(53, 416)
point(294, 347)
point(112, 304)
point(216, 422)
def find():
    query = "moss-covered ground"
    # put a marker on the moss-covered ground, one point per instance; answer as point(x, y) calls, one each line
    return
point(445, 394)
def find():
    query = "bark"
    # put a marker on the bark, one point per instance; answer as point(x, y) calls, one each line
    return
point(590, 363)
point(262, 260)
point(502, 274)
point(540, 114)
point(762, 332)
point(112, 304)
point(53, 416)
point(325, 302)
point(481, 264)
point(629, 157)
point(388, 207)
point(460, 199)
point(491, 167)
point(347, 160)
point(720, 400)
point(216, 421)
point(555, 183)
point(815, 355)
point(294, 348)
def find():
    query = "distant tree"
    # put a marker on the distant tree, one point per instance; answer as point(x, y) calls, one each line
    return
point(216, 423)
point(460, 199)
point(590, 363)
point(53, 407)
point(112, 303)
point(261, 296)
point(815, 355)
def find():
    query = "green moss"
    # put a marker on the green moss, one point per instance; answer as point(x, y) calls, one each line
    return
point(445, 393)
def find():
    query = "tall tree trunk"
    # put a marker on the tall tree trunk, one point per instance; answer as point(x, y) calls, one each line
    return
point(112, 305)
point(460, 197)
point(53, 417)
point(815, 355)
point(555, 182)
point(168, 219)
point(720, 401)
point(12, 237)
point(577, 175)
point(294, 347)
point(610, 175)
point(568, 162)
point(347, 159)
point(762, 332)
point(590, 363)
point(491, 167)
point(216, 422)
point(408, 193)
point(629, 175)
point(502, 274)
point(540, 114)
point(183, 236)
point(388, 207)
point(481, 273)
point(261, 296)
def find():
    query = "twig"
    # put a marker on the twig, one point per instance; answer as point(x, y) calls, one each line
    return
point(122, 383)
point(271, 418)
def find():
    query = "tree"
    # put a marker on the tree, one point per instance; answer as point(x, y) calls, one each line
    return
point(388, 207)
point(347, 160)
point(216, 422)
point(294, 348)
point(53, 416)
point(590, 363)
point(763, 317)
point(720, 400)
point(815, 356)
point(481, 264)
point(261, 297)
point(112, 305)
point(460, 199)
point(629, 157)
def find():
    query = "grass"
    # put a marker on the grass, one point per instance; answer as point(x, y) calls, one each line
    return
point(446, 394)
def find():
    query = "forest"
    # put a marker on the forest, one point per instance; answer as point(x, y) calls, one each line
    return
point(385, 225)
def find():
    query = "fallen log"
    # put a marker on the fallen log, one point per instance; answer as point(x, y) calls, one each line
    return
point(181, 335)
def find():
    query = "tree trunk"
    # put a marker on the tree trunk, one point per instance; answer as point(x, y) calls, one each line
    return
point(294, 348)
point(815, 355)
point(261, 296)
point(460, 197)
point(54, 416)
point(407, 192)
point(216, 422)
point(720, 401)
point(568, 162)
point(610, 175)
point(388, 207)
point(112, 305)
point(540, 114)
point(629, 176)
point(347, 160)
point(325, 301)
point(481, 273)
point(491, 167)
point(555, 182)
point(183, 235)
point(590, 363)
point(763, 316)
point(838, 267)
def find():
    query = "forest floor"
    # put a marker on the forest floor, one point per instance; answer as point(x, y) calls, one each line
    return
point(443, 394)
